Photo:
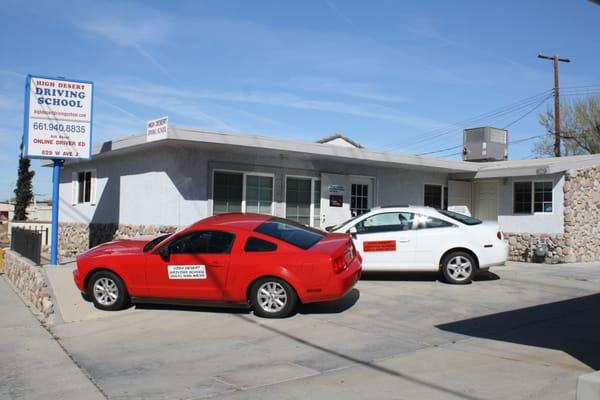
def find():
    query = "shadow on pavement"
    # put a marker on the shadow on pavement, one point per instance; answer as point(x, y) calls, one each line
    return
point(328, 307)
point(224, 310)
point(571, 326)
point(419, 276)
point(331, 307)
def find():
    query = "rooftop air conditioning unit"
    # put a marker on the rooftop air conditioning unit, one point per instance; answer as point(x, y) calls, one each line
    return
point(485, 144)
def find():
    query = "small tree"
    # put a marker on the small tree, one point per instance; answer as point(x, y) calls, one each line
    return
point(24, 188)
point(579, 128)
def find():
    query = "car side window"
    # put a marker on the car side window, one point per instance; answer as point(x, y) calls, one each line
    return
point(426, 222)
point(203, 242)
point(386, 222)
point(254, 244)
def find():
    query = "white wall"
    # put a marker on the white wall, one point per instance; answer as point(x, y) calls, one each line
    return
point(399, 187)
point(172, 185)
point(532, 223)
point(155, 187)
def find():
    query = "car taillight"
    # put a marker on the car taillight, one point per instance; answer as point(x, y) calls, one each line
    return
point(339, 264)
point(499, 235)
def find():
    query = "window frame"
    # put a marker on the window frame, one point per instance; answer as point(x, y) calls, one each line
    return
point(418, 227)
point(532, 183)
point(191, 232)
point(75, 187)
point(313, 181)
point(443, 194)
point(244, 175)
point(252, 237)
point(366, 232)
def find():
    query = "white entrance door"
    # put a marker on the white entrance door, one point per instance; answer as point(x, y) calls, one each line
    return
point(486, 200)
point(335, 199)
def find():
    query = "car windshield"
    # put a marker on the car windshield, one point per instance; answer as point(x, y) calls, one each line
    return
point(465, 219)
point(290, 232)
point(151, 244)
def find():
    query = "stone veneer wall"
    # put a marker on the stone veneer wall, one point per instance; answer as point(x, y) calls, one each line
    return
point(580, 241)
point(30, 281)
point(76, 238)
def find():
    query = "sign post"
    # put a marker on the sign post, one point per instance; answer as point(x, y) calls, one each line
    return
point(55, 197)
point(57, 126)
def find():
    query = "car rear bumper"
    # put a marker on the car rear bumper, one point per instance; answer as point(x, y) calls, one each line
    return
point(338, 286)
point(495, 256)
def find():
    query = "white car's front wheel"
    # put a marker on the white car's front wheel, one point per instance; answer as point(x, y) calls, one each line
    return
point(458, 267)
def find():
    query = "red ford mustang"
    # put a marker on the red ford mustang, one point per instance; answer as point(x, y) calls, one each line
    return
point(254, 260)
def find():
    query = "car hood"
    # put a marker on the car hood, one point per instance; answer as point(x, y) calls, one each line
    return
point(124, 246)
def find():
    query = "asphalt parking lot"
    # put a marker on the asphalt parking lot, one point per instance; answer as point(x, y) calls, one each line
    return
point(519, 332)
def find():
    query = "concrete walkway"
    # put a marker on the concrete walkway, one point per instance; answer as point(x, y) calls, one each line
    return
point(33, 365)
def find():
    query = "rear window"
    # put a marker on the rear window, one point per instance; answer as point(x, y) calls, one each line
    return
point(465, 219)
point(290, 232)
point(258, 245)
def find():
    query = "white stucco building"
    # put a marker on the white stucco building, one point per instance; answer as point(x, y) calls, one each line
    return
point(132, 186)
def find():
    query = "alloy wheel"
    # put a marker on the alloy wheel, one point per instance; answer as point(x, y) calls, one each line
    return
point(272, 297)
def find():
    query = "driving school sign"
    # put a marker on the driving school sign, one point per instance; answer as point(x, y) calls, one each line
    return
point(58, 118)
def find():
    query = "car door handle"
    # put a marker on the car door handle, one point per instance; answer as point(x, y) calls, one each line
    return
point(216, 265)
point(403, 240)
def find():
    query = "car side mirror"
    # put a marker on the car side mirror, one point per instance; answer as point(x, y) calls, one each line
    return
point(353, 231)
point(164, 252)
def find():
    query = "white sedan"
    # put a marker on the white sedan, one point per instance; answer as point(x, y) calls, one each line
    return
point(416, 238)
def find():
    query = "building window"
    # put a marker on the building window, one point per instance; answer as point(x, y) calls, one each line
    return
point(530, 197)
point(83, 185)
point(542, 201)
point(259, 194)
point(227, 192)
point(359, 199)
point(298, 199)
point(433, 196)
point(240, 192)
point(303, 200)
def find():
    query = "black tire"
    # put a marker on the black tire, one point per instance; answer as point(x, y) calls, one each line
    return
point(102, 298)
point(85, 296)
point(280, 291)
point(459, 268)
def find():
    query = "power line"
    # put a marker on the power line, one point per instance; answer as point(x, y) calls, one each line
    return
point(441, 150)
point(509, 144)
point(528, 112)
point(536, 106)
point(495, 114)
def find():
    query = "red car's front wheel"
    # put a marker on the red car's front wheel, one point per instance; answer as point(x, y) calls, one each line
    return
point(273, 298)
point(107, 291)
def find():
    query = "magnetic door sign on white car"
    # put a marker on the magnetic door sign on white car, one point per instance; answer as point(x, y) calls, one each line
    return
point(58, 118)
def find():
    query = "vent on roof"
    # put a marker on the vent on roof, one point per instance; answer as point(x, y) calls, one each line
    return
point(485, 144)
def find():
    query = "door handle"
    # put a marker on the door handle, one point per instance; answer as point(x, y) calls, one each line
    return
point(216, 265)
point(403, 240)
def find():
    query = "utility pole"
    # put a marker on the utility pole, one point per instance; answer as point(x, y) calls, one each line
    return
point(556, 60)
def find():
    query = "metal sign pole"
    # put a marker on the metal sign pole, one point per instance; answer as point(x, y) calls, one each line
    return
point(55, 200)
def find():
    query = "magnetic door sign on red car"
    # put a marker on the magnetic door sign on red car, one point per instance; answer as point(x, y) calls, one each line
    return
point(58, 118)
point(380, 245)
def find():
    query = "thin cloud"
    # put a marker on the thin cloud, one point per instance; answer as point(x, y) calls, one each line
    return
point(140, 93)
point(133, 34)
point(336, 86)
point(338, 12)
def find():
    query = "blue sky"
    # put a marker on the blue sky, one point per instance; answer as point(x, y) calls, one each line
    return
point(393, 75)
